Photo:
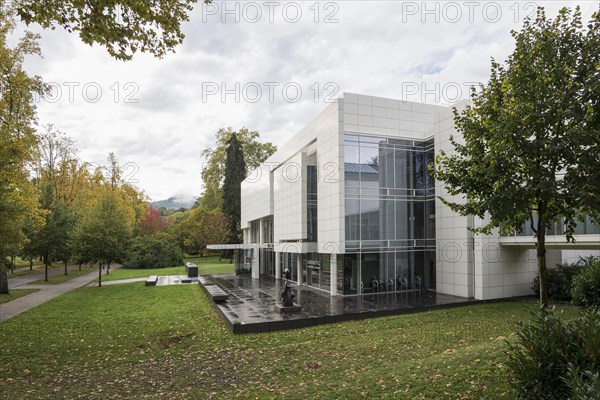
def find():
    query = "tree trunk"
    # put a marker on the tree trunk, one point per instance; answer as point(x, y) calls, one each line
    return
point(100, 275)
point(31, 264)
point(13, 262)
point(541, 260)
point(80, 266)
point(46, 267)
point(3, 278)
point(65, 268)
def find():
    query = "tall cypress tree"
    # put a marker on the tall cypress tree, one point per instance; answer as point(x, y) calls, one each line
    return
point(235, 173)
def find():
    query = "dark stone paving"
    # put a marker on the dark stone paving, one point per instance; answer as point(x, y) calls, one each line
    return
point(250, 306)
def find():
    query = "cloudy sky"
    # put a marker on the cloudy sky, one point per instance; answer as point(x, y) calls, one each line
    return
point(269, 66)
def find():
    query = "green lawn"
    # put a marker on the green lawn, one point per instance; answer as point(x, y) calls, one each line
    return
point(130, 341)
point(206, 266)
point(15, 294)
point(60, 278)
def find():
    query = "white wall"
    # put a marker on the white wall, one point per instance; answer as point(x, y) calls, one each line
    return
point(455, 263)
point(257, 195)
point(289, 195)
point(289, 210)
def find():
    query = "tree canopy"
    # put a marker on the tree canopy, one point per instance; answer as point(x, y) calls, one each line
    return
point(124, 27)
point(18, 198)
point(213, 172)
point(531, 151)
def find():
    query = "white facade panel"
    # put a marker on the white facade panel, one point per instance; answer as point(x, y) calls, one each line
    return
point(257, 195)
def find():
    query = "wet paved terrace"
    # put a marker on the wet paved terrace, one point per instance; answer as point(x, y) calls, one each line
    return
point(250, 306)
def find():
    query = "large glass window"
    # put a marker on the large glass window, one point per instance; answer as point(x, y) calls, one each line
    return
point(318, 270)
point(289, 261)
point(377, 272)
point(389, 215)
point(389, 192)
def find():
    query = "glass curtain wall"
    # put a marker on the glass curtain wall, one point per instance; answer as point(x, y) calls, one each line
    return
point(311, 203)
point(289, 261)
point(389, 215)
point(318, 270)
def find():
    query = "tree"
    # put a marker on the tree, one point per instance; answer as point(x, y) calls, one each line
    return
point(18, 198)
point(214, 227)
point(531, 136)
point(235, 173)
point(152, 222)
point(59, 177)
point(152, 252)
point(124, 27)
point(52, 242)
point(105, 228)
point(213, 173)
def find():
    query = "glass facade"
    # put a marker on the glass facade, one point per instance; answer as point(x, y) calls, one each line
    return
point(389, 215)
point(311, 203)
point(317, 268)
point(289, 261)
point(585, 227)
point(242, 261)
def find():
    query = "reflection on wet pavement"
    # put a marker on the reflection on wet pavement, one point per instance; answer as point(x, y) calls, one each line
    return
point(250, 307)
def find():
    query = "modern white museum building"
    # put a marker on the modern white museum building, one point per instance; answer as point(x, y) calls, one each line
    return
point(348, 206)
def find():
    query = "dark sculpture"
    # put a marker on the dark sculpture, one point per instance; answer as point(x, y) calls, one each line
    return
point(287, 296)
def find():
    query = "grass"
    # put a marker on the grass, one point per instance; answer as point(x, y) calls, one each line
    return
point(39, 267)
point(15, 294)
point(129, 341)
point(206, 266)
point(60, 278)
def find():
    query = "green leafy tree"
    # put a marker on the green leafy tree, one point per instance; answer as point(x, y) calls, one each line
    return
point(235, 173)
point(124, 27)
point(255, 153)
point(105, 227)
point(152, 252)
point(18, 198)
point(531, 136)
point(52, 242)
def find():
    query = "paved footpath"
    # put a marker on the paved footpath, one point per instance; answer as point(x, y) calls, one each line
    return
point(46, 292)
point(25, 279)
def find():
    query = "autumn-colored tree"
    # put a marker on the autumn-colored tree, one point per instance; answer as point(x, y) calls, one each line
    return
point(152, 222)
point(59, 176)
point(198, 228)
point(213, 227)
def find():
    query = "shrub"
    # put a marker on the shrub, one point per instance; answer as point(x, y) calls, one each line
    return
point(553, 359)
point(586, 286)
point(584, 385)
point(150, 252)
point(559, 280)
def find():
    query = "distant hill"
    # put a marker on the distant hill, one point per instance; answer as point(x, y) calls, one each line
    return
point(175, 202)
